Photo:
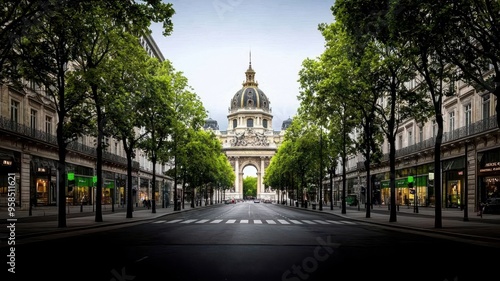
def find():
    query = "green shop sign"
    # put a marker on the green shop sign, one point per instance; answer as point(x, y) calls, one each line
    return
point(403, 182)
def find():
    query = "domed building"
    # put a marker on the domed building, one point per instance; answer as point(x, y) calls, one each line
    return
point(249, 139)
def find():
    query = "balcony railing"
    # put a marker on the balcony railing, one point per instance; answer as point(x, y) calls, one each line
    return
point(463, 133)
point(24, 131)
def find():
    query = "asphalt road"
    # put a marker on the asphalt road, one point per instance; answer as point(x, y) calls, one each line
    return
point(251, 241)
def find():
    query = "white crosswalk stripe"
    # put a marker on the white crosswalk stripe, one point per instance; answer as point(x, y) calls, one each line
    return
point(261, 222)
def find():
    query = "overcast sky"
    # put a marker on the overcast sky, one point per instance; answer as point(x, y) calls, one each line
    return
point(212, 39)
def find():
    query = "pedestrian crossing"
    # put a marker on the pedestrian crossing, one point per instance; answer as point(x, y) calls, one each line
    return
point(255, 221)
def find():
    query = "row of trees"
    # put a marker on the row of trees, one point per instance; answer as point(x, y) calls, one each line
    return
point(357, 93)
point(87, 58)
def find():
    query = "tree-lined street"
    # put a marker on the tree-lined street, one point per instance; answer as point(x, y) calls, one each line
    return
point(252, 241)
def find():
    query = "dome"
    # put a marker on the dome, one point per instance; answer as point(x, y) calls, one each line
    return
point(250, 96)
point(211, 124)
point(286, 124)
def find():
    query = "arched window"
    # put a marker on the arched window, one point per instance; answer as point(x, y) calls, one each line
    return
point(235, 123)
point(264, 123)
point(249, 122)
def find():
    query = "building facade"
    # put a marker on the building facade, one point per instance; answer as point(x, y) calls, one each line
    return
point(29, 150)
point(250, 139)
point(470, 158)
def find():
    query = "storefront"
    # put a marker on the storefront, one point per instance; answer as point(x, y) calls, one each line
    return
point(412, 187)
point(488, 175)
point(43, 189)
point(9, 163)
point(453, 180)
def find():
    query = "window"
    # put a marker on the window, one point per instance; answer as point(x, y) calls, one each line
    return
point(264, 123)
point(14, 111)
point(33, 119)
point(235, 123)
point(486, 107)
point(468, 117)
point(452, 121)
point(249, 122)
point(48, 125)
point(410, 137)
point(400, 142)
point(421, 134)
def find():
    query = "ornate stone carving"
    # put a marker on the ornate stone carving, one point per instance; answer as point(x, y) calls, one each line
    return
point(249, 138)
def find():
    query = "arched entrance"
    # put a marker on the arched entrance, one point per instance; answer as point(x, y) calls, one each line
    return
point(249, 182)
point(240, 163)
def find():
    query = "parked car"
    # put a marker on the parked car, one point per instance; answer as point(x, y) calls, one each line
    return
point(256, 201)
point(267, 201)
point(492, 206)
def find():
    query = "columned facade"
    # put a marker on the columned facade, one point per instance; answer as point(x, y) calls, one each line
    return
point(249, 139)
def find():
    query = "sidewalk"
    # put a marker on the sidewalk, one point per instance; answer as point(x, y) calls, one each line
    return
point(43, 221)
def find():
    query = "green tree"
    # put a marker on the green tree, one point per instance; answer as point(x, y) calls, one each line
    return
point(424, 44)
point(17, 17)
point(48, 52)
point(158, 118)
point(250, 186)
point(187, 113)
point(367, 23)
point(127, 83)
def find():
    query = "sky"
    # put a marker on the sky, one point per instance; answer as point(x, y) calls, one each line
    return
point(212, 40)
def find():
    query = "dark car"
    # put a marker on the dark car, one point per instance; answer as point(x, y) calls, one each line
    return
point(492, 206)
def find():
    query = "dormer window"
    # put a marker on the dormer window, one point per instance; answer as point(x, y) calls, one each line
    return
point(250, 123)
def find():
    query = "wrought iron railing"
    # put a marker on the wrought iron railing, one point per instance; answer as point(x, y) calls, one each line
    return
point(24, 131)
point(463, 133)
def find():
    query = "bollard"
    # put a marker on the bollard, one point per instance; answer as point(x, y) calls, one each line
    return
point(81, 207)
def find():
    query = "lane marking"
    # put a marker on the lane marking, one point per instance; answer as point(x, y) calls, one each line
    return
point(257, 221)
point(243, 221)
point(230, 221)
point(174, 221)
point(215, 221)
point(296, 222)
point(283, 222)
point(270, 222)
